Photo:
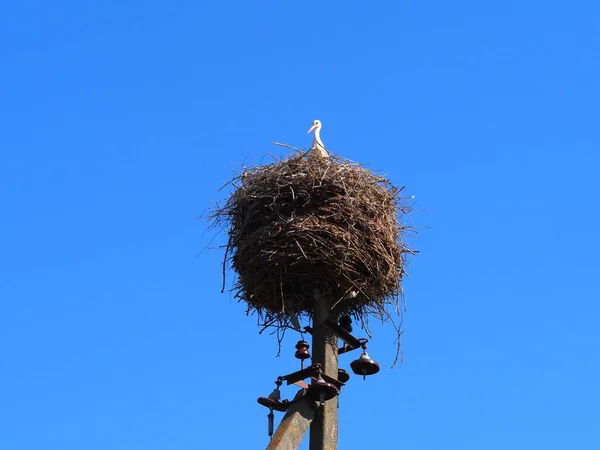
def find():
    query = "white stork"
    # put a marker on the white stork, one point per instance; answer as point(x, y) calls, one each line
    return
point(318, 148)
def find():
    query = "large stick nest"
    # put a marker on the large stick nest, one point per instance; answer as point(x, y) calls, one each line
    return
point(305, 222)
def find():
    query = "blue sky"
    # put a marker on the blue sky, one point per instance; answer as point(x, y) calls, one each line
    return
point(120, 121)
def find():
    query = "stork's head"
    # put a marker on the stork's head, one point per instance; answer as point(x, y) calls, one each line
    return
point(315, 126)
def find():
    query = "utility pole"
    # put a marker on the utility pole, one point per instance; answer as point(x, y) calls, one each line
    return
point(293, 426)
point(324, 427)
point(314, 405)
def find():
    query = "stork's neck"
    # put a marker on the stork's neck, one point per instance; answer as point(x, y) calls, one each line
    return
point(318, 143)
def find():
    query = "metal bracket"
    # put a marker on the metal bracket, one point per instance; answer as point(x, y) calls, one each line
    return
point(312, 371)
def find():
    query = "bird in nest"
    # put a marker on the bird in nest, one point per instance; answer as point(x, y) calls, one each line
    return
point(318, 148)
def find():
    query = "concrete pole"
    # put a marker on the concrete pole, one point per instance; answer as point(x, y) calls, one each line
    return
point(324, 427)
point(293, 426)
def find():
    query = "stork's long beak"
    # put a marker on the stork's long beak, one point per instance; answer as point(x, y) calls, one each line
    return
point(311, 129)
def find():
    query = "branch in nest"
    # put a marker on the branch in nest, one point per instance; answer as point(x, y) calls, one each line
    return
point(287, 146)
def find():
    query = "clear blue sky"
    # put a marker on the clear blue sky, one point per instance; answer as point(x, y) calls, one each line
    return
point(120, 121)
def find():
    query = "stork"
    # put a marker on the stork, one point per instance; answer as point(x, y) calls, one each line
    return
point(318, 148)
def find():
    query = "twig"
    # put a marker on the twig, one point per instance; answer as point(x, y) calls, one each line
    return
point(287, 146)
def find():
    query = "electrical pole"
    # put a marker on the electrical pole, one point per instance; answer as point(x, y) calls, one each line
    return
point(324, 427)
point(293, 426)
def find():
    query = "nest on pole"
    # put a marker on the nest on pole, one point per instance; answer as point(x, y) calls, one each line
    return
point(302, 222)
